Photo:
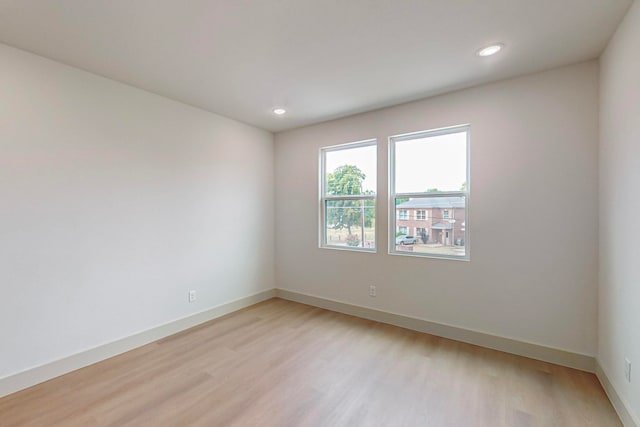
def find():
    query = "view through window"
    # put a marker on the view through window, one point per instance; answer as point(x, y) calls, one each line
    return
point(348, 190)
point(430, 191)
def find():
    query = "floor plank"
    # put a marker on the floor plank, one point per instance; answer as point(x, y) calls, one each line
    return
point(280, 363)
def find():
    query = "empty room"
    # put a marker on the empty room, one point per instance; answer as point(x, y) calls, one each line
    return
point(319, 213)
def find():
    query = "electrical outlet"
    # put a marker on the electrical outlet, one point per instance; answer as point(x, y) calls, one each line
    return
point(192, 296)
point(372, 291)
point(627, 369)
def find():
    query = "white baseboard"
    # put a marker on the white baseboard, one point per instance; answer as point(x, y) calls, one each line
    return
point(28, 378)
point(628, 418)
point(37, 375)
point(534, 351)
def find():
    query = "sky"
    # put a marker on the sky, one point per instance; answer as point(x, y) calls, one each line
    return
point(421, 164)
point(362, 157)
point(435, 162)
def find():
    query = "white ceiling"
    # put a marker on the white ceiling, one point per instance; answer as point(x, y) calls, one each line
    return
point(320, 59)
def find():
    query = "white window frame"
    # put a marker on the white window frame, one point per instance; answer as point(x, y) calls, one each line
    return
point(324, 197)
point(403, 217)
point(425, 215)
point(461, 193)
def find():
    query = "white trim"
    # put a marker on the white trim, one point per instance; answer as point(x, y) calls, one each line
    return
point(350, 145)
point(433, 132)
point(351, 197)
point(570, 359)
point(31, 377)
point(350, 248)
point(622, 407)
point(39, 374)
point(323, 198)
point(456, 193)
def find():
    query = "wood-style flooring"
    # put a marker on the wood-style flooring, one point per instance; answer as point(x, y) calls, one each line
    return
point(279, 363)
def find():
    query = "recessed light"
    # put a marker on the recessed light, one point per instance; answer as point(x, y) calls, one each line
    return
point(490, 50)
point(279, 111)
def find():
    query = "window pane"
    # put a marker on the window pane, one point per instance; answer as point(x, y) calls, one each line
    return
point(350, 223)
point(429, 164)
point(443, 232)
point(351, 171)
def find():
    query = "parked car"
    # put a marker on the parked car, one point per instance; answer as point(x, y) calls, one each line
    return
point(406, 240)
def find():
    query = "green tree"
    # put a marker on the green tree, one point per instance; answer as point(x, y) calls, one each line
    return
point(369, 209)
point(463, 186)
point(347, 180)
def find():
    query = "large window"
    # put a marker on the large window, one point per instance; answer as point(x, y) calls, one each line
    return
point(348, 196)
point(429, 172)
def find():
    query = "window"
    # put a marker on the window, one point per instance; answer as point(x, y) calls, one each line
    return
point(348, 181)
point(429, 171)
point(403, 214)
point(402, 230)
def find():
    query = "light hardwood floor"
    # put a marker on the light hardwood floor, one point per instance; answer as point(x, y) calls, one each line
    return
point(280, 363)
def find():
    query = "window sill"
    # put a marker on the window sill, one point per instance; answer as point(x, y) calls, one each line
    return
point(432, 256)
point(349, 248)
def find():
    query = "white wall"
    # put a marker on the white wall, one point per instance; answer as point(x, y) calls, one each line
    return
point(114, 202)
point(533, 269)
point(619, 297)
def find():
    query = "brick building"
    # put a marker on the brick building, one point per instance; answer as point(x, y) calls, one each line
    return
point(433, 220)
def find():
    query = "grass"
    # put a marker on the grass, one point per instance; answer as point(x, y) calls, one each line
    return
point(439, 250)
point(339, 237)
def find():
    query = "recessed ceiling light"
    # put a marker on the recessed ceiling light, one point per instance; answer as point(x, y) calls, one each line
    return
point(279, 111)
point(490, 50)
